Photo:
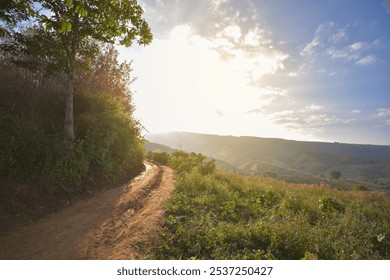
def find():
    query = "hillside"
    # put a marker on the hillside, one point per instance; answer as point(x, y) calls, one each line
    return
point(369, 164)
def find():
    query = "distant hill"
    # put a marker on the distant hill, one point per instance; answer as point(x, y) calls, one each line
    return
point(253, 155)
point(154, 147)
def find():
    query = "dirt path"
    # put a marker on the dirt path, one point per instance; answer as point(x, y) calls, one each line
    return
point(114, 224)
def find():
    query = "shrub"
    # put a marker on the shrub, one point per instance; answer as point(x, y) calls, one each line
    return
point(329, 205)
point(160, 157)
point(185, 162)
point(335, 174)
point(360, 187)
point(67, 164)
point(111, 138)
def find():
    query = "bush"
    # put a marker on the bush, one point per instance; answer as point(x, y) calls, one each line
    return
point(67, 165)
point(185, 162)
point(330, 205)
point(111, 138)
point(23, 148)
point(108, 146)
point(160, 157)
point(335, 174)
point(360, 188)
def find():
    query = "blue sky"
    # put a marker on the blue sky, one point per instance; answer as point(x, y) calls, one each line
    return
point(303, 70)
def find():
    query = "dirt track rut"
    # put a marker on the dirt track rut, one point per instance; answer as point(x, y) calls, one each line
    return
point(115, 224)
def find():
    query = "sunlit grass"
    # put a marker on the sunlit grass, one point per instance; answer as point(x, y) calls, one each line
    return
point(231, 216)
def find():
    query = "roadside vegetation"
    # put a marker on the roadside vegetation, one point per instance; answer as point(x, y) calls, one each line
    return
point(221, 215)
point(66, 111)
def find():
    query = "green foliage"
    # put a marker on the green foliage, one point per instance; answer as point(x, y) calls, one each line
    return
point(111, 147)
point(360, 187)
point(11, 12)
point(328, 204)
point(186, 162)
point(230, 216)
point(22, 147)
point(111, 137)
point(30, 156)
point(67, 165)
point(160, 157)
point(65, 37)
point(108, 147)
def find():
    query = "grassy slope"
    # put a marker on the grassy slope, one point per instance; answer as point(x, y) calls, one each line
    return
point(363, 163)
point(231, 216)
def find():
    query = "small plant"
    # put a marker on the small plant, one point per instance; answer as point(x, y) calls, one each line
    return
point(330, 205)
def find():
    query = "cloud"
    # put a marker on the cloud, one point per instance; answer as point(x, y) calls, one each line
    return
point(309, 49)
point(353, 53)
point(356, 111)
point(303, 120)
point(381, 113)
point(367, 60)
point(220, 113)
point(330, 41)
point(339, 36)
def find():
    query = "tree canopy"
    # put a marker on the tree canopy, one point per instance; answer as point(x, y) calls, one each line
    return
point(65, 33)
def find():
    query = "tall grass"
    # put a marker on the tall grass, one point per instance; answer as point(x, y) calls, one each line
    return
point(231, 216)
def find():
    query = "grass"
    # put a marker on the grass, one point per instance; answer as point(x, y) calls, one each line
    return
point(230, 216)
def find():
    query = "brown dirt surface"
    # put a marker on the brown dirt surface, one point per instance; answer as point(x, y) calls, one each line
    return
point(118, 223)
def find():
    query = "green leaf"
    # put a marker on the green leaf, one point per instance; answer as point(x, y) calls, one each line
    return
point(49, 26)
point(83, 12)
point(69, 3)
point(65, 27)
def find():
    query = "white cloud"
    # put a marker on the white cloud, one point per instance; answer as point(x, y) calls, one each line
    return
point(381, 113)
point(312, 107)
point(231, 32)
point(293, 74)
point(367, 60)
point(183, 84)
point(356, 111)
point(340, 35)
point(308, 50)
point(330, 40)
point(351, 52)
point(358, 45)
point(305, 121)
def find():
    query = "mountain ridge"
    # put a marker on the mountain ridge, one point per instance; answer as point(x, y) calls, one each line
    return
point(254, 155)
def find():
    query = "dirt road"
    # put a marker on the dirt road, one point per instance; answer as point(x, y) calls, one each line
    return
point(115, 224)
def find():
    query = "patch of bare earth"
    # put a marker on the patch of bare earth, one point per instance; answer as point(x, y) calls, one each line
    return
point(115, 224)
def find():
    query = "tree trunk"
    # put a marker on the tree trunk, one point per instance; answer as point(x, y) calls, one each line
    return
point(69, 123)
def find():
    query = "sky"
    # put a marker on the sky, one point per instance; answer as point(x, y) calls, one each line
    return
point(301, 70)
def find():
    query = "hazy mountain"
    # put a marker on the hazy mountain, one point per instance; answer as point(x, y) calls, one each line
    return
point(154, 147)
point(286, 157)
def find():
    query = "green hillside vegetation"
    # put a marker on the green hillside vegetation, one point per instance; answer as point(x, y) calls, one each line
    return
point(38, 168)
point(222, 215)
point(66, 112)
point(295, 161)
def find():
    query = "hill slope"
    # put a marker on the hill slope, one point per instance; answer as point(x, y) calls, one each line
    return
point(361, 163)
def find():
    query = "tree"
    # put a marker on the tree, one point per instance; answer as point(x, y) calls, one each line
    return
point(13, 11)
point(335, 174)
point(69, 32)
